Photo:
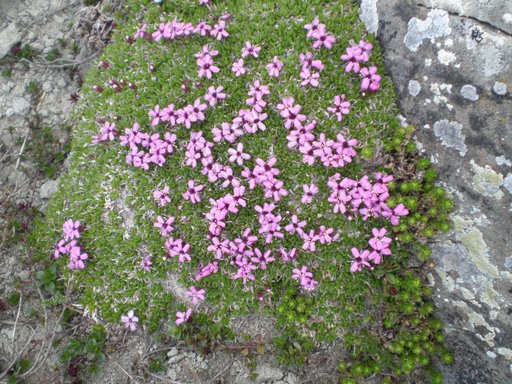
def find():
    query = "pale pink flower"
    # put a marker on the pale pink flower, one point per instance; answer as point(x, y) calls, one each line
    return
point(195, 294)
point(238, 68)
point(309, 191)
point(237, 155)
point(274, 67)
point(182, 317)
point(162, 196)
point(130, 320)
point(250, 50)
point(192, 192)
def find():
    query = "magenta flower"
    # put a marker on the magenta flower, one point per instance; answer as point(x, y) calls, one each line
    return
point(309, 191)
point(168, 114)
point(341, 107)
point(192, 193)
point(195, 294)
point(370, 79)
point(71, 229)
point(130, 320)
point(182, 317)
point(214, 95)
point(77, 258)
point(262, 259)
point(293, 117)
point(309, 78)
point(203, 29)
point(146, 263)
point(206, 51)
point(165, 226)
point(302, 274)
point(237, 155)
point(156, 115)
point(314, 28)
point(238, 68)
point(245, 271)
point(108, 132)
point(310, 240)
point(309, 63)
point(360, 260)
point(274, 67)
point(323, 39)
point(296, 225)
point(219, 30)
point(288, 256)
point(206, 67)
point(250, 50)
point(162, 196)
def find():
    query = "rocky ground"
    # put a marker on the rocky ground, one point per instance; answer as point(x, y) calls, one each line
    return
point(450, 61)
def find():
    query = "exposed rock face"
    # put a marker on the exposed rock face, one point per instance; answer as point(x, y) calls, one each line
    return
point(451, 62)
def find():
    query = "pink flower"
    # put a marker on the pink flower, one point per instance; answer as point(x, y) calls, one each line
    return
point(108, 132)
point(262, 259)
point(310, 240)
point(293, 117)
point(195, 294)
point(182, 317)
point(309, 78)
point(165, 226)
point(274, 67)
point(156, 115)
point(192, 193)
point(237, 155)
point(288, 256)
point(360, 260)
point(323, 39)
point(162, 196)
point(77, 258)
point(146, 263)
point(296, 225)
point(71, 229)
point(219, 30)
point(207, 69)
point(302, 274)
point(309, 63)
point(314, 28)
point(206, 51)
point(250, 50)
point(341, 107)
point(238, 68)
point(309, 191)
point(370, 79)
point(130, 321)
point(215, 94)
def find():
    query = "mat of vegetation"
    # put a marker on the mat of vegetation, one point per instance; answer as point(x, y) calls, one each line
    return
point(239, 157)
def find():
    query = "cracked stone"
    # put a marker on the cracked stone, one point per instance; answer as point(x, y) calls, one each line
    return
point(20, 106)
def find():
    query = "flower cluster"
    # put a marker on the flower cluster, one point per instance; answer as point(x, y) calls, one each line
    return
point(310, 69)
point(68, 245)
point(361, 196)
point(379, 244)
point(318, 32)
point(147, 149)
point(305, 278)
point(329, 152)
point(354, 56)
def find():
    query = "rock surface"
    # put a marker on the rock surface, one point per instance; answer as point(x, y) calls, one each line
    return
point(451, 63)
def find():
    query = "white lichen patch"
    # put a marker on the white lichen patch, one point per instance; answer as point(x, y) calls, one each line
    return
point(507, 18)
point(500, 88)
point(477, 320)
point(491, 354)
point(438, 90)
point(414, 88)
point(502, 160)
point(369, 15)
point(473, 240)
point(450, 133)
point(469, 92)
point(436, 25)
point(505, 352)
point(486, 181)
point(446, 57)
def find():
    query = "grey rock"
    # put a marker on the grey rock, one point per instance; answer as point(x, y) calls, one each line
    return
point(461, 50)
point(20, 106)
point(48, 189)
point(47, 86)
point(369, 15)
point(8, 37)
point(267, 373)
